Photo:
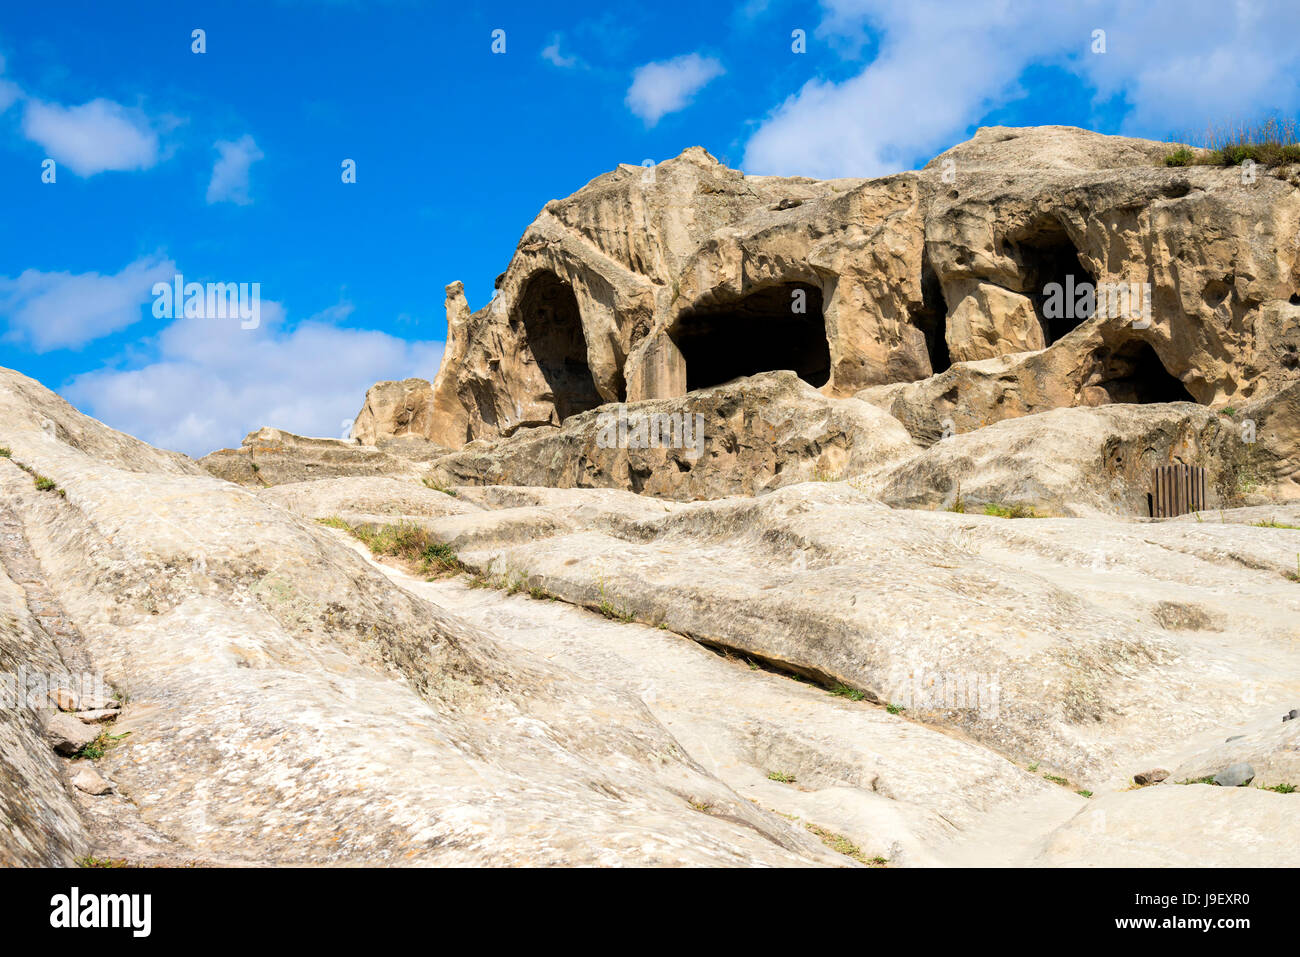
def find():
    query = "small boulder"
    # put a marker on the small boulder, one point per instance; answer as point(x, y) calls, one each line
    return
point(94, 702)
point(91, 781)
point(1291, 715)
point(1154, 776)
point(64, 699)
point(1235, 775)
point(95, 717)
point(67, 735)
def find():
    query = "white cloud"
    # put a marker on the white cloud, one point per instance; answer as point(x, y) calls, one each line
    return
point(62, 310)
point(551, 53)
point(668, 85)
point(229, 183)
point(211, 382)
point(92, 138)
point(940, 68)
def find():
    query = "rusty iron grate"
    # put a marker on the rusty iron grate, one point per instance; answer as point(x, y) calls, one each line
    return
point(1178, 489)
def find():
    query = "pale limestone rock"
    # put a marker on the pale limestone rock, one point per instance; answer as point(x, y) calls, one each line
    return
point(66, 734)
point(64, 699)
point(91, 781)
point(1270, 747)
point(1060, 618)
point(988, 321)
point(1068, 461)
point(275, 457)
point(1194, 825)
point(39, 824)
point(430, 722)
point(746, 437)
point(395, 409)
point(288, 704)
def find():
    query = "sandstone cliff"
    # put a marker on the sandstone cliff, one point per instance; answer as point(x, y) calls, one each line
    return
point(648, 283)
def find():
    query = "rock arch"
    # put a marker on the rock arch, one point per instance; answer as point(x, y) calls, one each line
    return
point(552, 327)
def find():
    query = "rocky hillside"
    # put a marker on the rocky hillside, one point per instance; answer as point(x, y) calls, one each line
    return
point(590, 676)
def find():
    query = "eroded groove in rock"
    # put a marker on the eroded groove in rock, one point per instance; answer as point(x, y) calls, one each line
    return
point(22, 567)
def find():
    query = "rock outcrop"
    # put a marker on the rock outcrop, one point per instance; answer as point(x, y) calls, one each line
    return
point(275, 457)
point(1129, 281)
point(744, 438)
point(394, 409)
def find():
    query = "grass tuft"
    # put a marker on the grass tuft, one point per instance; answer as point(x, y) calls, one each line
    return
point(408, 542)
point(842, 845)
point(1271, 142)
point(99, 747)
point(844, 691)
point(1010, 511)
point(430, 483)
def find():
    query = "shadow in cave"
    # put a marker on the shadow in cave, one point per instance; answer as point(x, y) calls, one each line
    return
point(758, 333)
point(1134, 373)
point(553, 328)
point(931, 317)
point(1053, 274)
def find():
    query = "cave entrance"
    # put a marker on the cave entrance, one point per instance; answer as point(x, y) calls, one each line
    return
point(1134, 373)
point(1054, 277)
point(931, 317)
point(780, 327)
point(553, 329)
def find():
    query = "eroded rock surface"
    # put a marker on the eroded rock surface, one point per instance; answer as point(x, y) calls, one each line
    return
point(745, 438)
point(1088, 650)
point(275, 457)
point(288, 704)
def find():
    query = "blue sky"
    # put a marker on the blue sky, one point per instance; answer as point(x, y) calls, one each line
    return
point(225, 166)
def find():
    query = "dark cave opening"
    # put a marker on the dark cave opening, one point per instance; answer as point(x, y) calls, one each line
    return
point(780, 327)
point(553, 328)
point(931, 317)
point(1054, 278)
point(1134, 373)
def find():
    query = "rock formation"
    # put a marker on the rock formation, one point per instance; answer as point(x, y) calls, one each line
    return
point(649, 283)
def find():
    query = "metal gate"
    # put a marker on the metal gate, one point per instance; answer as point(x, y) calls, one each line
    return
point(1178, 489)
